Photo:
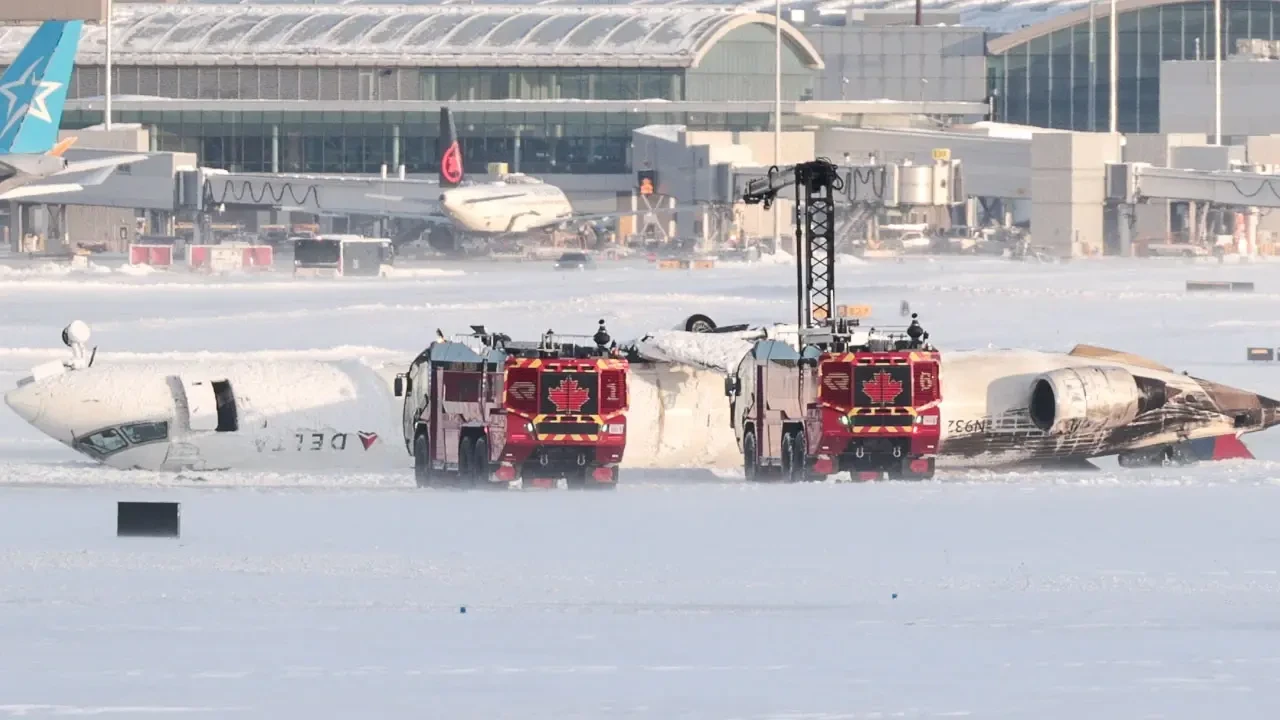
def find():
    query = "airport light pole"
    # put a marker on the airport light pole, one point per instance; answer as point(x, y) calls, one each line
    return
point(107, 107)
point(777, 116)
point(1113, 70)
point(1217, 72)
point(1093, 67)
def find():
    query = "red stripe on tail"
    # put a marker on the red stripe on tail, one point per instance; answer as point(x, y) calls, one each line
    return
point(1230, 447)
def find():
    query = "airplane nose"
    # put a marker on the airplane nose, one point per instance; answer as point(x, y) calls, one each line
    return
point(27, 402)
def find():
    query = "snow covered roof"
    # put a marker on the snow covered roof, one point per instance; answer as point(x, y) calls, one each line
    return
point(418, 35)
point(996, 15)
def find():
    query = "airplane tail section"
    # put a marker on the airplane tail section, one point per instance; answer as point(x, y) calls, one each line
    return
point(34, 88)
point(1222, 447)
point(451, 173)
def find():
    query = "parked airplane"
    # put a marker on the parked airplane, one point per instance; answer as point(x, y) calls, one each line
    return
point(34, 89)
point(999, 408)
point(515, 203)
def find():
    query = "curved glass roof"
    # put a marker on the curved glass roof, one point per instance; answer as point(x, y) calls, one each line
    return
point(995, 15)
point(530, 34)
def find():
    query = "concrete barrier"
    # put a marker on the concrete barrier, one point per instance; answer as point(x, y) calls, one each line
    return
point(160, 256)
point(679, 264)
point(228, 258)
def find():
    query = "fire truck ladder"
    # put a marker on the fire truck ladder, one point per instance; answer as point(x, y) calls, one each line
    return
point(816, 184)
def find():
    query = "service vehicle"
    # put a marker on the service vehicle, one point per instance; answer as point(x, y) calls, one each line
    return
point(483, 410)
point(833, 397)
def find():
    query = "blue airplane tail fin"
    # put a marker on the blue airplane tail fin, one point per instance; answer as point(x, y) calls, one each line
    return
point(34, 88)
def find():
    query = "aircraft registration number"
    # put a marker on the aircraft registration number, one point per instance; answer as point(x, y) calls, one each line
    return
point(968, 426)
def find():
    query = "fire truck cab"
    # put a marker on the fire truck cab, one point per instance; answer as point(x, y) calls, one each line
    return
point(849, 400)
point(482, 410)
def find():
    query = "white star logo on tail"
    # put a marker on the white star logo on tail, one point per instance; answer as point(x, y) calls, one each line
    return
point(38, 105)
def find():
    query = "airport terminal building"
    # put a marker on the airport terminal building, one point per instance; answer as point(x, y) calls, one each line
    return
point(1046, 75)
point(347, 88)
point(558, 86)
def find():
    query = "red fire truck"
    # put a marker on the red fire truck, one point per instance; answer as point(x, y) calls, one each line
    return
point(482, 411)
point(849, 401)
point(834, 397)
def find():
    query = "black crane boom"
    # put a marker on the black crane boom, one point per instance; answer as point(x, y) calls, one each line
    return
point(816, 183)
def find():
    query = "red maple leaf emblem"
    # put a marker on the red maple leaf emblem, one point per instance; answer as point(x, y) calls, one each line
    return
point(882, 388)
point(569, 396)
point(451, 164)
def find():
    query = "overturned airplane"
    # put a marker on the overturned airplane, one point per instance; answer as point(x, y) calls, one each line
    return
point(995, 408)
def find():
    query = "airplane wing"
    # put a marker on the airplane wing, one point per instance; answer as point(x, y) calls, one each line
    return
point(1101, 353)
point(570, 218)
point(112, 162)
point(626, 213)
point(103, 171)
point(26, 191)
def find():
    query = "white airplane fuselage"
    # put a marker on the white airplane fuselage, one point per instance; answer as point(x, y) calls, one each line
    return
point(506, 207)
point(292, 415)
point(189, 415)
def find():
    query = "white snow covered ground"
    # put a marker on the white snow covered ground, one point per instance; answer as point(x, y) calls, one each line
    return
point(682, 595)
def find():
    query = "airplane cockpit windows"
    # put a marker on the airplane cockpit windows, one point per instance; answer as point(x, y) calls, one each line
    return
point(139, 433)
point(103, 442)
point(108, 441)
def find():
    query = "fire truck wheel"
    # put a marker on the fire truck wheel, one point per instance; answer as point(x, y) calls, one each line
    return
point(798, 470)
point(421, 460)
point(788, 451)
point(465, 450)
point(749, 457)
point(480, 463)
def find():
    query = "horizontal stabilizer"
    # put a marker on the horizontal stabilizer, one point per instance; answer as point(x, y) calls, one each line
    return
point(110, 161)
point(1101, 353)
point(26, 191)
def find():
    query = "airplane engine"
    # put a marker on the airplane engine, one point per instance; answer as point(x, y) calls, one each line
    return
point(1090, 398)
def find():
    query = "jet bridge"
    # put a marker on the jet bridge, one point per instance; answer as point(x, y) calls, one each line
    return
point(1245, 191)
point(1132, 183)
point(870, 189)
point(207, 189)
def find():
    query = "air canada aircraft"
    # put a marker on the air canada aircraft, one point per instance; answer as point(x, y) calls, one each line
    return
point(513, 204)
point(1000, 408)
point(33, 91)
